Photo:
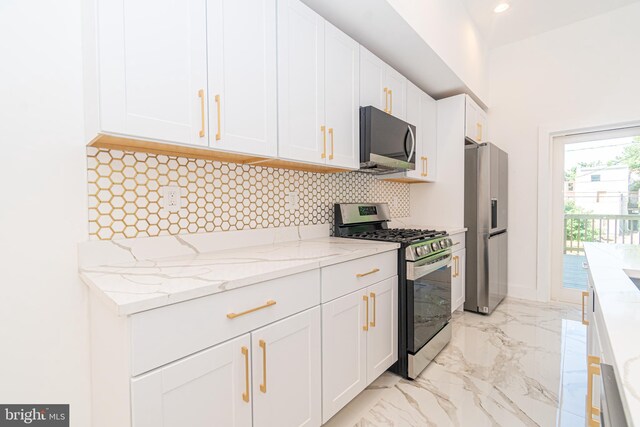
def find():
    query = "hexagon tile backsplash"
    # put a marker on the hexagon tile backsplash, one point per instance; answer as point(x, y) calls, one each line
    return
point(125, 195)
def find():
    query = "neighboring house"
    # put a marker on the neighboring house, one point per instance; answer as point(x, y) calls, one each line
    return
point(600, 189)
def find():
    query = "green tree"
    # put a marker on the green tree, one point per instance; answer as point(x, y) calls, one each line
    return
point(631, 156)
point(578, 229)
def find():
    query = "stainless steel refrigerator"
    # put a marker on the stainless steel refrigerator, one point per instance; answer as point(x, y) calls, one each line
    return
point(485, 217)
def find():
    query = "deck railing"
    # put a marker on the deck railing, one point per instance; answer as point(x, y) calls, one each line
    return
point(581, 228)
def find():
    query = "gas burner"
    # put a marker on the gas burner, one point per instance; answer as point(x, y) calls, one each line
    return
point(400, 235)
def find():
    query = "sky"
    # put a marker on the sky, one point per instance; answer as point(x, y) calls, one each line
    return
point(592, 151)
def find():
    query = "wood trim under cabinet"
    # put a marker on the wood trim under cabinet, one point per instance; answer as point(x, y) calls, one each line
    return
point(405, 180)
point(122, 143)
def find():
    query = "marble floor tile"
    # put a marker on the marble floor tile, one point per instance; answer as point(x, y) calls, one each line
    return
point(520, 366)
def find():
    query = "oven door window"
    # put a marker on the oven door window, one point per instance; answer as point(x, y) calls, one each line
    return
point(430, 301)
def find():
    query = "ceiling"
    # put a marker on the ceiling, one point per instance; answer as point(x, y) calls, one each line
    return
point(527, 18)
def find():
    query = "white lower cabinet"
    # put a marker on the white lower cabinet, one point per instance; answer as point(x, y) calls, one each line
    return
point(255, 356)
point(344, 343)
point(359, 342)
point(275, 370)
point(286, 372)
point(206, 389)
point(458, 279)
point(382, 336)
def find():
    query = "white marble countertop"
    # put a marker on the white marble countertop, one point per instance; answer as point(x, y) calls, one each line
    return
point(148, 283)
point(619, 302)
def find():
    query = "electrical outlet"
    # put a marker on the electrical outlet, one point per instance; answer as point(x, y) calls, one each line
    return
point(394, 202)
point(293, 201)
point(171, 198)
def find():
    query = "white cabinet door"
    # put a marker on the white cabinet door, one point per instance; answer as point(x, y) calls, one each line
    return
point(483, 126)
point(241, 36)
point(373, 77)
point(458, 279)
point(301, 122)
point(287, 372)
point(381, 86)
point(397, 84)
point(153, 69)
point(210, 388)
point(471, 120)
point(427, 129)
point(344, 351)
point(476, 124)
point(414, 117)
point(382, 337)
point(342, 98)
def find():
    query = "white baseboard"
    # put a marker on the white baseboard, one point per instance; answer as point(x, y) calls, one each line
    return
point(522, 292)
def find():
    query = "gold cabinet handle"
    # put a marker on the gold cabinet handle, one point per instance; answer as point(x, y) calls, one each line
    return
point(373, 298)
point(323, 129)
point(390, 101)
point(584, 320)
point(263, 346)
point(425, 166)
point(245, 353)
point(455, 266)
point(331, 136)
point(218, 104)
point(479, 128)
point(375, 270)
point(201, 96)
point(593, 368)
point(366, 304)
point(386, 100)
point(269, 303)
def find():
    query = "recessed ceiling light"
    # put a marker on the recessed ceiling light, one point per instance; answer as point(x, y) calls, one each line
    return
point(501, 7)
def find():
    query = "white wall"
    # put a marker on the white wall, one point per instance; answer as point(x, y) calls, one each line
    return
point(43, 307)
point(447, 27)
point(585, 74)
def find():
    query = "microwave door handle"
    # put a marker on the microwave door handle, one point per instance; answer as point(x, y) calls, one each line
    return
point(413, 143)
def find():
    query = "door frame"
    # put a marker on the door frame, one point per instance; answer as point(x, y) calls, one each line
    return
point(546, 165)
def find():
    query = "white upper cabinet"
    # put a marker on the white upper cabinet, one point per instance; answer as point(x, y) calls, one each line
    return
point(241, 42)
point(428, 130)
point(302, 132)
point(373, 81)
point(422, 112)
point(342, 98)
point(397, 93)
point(287, 372)
point(414, 117)
point(210, 388)
point(153, 69)
point(318, 89)
point(476, 123)
point(381, 86)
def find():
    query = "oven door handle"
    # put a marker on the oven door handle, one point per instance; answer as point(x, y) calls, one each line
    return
point(416, 271)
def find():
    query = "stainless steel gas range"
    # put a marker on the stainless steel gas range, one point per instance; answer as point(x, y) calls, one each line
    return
point(424, 281)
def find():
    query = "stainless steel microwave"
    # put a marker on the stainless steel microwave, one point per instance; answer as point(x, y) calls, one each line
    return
point(387, 144)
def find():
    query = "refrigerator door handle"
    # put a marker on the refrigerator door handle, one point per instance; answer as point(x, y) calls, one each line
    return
point(494, 214)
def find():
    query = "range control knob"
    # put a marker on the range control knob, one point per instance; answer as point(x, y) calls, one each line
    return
point(435, 246)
